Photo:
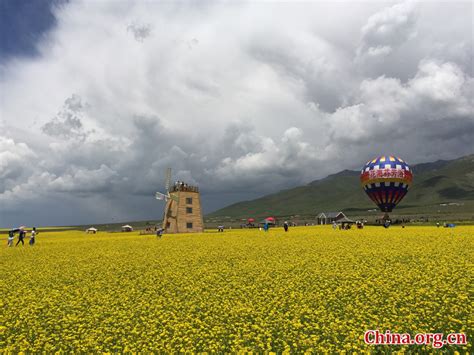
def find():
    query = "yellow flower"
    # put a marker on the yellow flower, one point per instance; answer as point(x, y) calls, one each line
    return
point(308, 291)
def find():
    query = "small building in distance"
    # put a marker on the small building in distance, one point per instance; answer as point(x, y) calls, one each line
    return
point(127, 228)
point(330, 217)
point(345, 223)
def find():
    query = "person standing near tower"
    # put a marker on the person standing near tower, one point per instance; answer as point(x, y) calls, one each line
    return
point(159, 232)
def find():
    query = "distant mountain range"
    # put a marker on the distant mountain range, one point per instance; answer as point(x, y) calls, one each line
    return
point(444, 186)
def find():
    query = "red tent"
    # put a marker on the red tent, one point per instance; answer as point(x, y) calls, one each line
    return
point(251, 220)
point(269, 220)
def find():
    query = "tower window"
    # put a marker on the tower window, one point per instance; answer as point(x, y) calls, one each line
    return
point(189, 210)
point(189, 225)
point(189, 200)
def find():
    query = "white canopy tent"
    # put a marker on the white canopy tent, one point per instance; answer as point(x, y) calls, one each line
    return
point(127, 228)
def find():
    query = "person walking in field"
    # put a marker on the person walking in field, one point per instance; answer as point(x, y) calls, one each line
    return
point(33, 236)
point(265, 227)
point(159, 232)
point(285, 226)
point(11, 236)
point(21, 237)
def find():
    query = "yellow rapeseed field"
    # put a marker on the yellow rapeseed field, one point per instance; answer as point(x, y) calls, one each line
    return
point(311, 289)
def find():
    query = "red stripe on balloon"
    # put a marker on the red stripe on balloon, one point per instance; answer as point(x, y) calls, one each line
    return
point(401, 195)
point(390, 194)
point(395, 196)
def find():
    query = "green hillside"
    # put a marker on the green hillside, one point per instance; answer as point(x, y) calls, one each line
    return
point(439, 187)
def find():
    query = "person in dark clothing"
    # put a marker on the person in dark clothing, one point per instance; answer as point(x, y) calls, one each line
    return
point(285, 226)
point(21, 237)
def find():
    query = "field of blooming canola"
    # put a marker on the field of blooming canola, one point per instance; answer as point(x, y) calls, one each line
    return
point(310, 289)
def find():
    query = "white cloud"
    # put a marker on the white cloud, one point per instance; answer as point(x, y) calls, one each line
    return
point(439, 81)
point(438, 91)
point(15, 161)
point(379, 51)
point(84, 181)
point(388, 29)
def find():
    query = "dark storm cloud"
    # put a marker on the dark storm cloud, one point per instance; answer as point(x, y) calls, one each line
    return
point(237, 99)
point(67, 123)
point(139, 31)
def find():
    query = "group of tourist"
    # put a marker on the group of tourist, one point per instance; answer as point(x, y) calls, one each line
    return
point(180, 186)
point(266, 226)
point(347, 226)
point(21, 236)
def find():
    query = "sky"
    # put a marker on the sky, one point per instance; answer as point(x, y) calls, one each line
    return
point(98, 98)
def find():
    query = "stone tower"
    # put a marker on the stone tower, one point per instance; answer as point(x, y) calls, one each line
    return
point(183, 210)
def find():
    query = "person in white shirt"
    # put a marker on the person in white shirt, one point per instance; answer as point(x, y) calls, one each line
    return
point(33, 236)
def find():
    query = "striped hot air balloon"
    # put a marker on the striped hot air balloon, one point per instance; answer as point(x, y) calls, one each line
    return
point(386, 180)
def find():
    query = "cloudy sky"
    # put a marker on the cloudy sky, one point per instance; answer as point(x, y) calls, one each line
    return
point(97, 98)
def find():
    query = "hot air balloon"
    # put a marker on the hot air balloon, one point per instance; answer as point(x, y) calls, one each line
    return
point(386, 180)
